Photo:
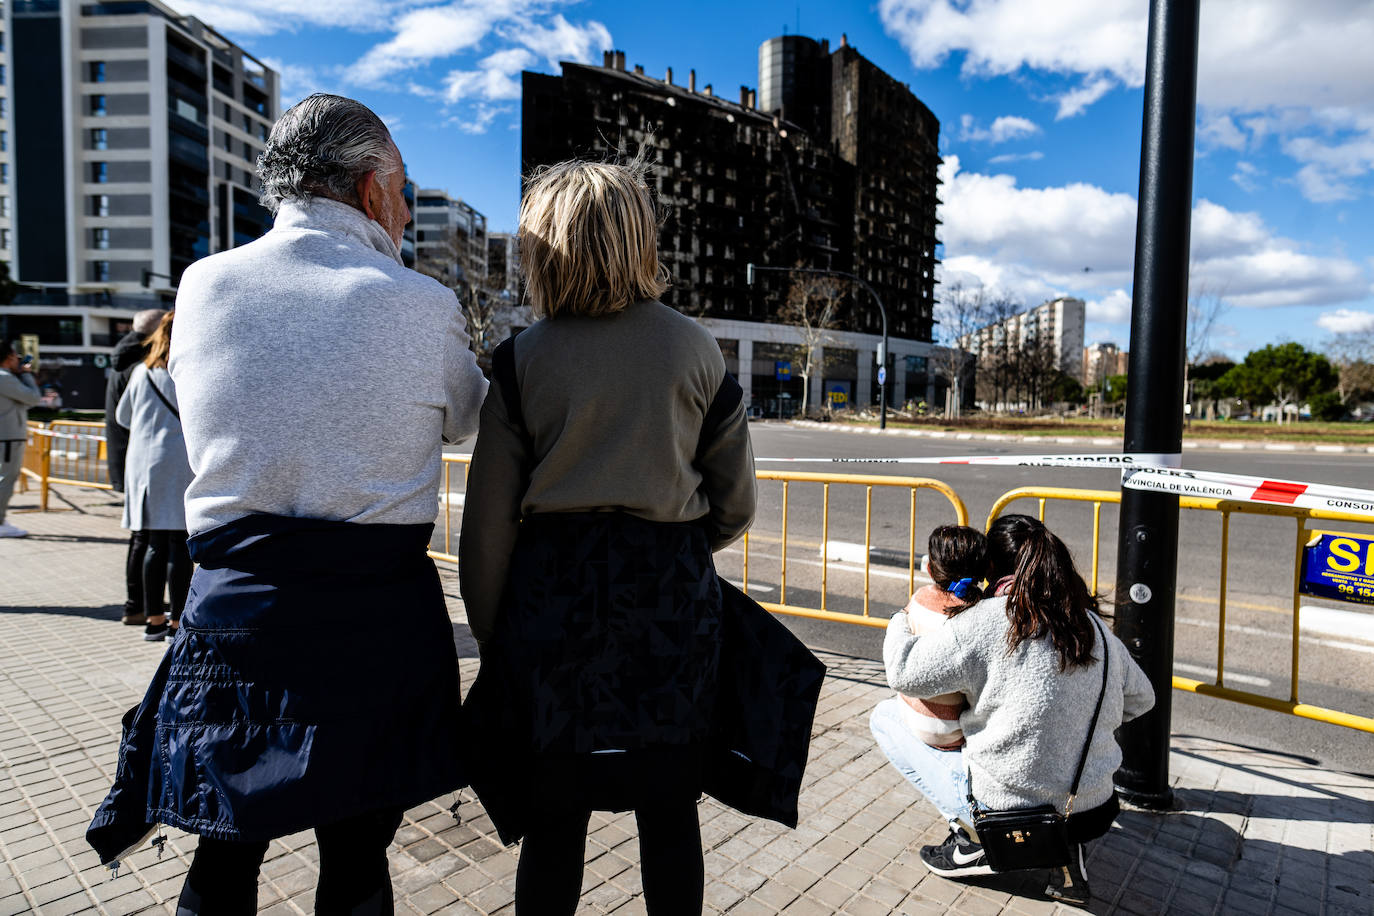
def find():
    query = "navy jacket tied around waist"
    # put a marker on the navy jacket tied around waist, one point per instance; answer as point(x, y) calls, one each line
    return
point(314, 678)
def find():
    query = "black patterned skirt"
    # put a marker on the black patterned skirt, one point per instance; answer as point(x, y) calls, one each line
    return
point(598, 689)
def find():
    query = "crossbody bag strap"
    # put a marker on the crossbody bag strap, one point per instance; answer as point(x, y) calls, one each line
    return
point(1092, 726)
point(162, 397)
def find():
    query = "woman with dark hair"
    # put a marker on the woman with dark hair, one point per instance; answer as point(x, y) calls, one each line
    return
point(156, 476)
point(1029, 660)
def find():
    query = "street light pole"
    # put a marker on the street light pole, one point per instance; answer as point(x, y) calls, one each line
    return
point(751, 269)
point(1147, 537)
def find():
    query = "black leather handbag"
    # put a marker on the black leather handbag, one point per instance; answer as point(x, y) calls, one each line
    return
point(1023, 838)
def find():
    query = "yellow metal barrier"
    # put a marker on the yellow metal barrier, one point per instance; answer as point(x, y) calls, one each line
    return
point(77, 450)
point(868, 482)
point(1218, 688)
point(826, 482)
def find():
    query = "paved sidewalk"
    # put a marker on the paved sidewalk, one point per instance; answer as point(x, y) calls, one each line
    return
point(1255, 832)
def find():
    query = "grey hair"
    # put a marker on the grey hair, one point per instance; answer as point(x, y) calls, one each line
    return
point(146, 321)
point(321, 146)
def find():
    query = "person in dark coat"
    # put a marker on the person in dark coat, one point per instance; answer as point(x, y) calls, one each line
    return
point(597, 493)
point(127, 356)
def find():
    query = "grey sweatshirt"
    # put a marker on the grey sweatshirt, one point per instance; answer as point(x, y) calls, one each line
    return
point(17, 394)
point(316, 375)
point(1026, 720)
point(614, 407)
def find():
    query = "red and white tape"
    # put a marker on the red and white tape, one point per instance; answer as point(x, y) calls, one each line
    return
point(1161, 474)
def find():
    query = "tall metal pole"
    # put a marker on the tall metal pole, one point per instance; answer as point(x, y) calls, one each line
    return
point(1147, 555)
point(882, 357)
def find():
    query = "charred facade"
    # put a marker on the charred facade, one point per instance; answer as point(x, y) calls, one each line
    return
point(830, 164)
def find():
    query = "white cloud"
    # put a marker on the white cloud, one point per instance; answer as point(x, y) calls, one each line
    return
point(1222, 131)
point(1040, 240)
point(423, 35)
point(479, 120)
point(296, 81)
point(562, 40)
point(1032, 156)
point(1004, 128)
point(1076, 101)
point(1113, 308)
point(1346, 321)
point(266, 17)
point(495, 77)
point(1246, 176)
point(1272, 67)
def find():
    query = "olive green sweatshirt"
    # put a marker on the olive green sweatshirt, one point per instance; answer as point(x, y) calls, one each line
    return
point(614, 407)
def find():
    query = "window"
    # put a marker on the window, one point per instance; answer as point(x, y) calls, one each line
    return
point(4, 173)
point(5, 239)
point(100, 172)
point(98, 105)
point(100, 205)
point(4, 107)
point(96, 71)
point(4, 206)
point(100, 238)
point(100, 138)
point(100, 271)
point(2, 74)
point(228, 143)
point(4, 140)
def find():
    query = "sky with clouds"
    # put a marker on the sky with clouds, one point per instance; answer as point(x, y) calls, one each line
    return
point(1040, 110)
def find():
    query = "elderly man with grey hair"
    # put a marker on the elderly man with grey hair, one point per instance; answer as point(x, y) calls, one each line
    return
point(313, 682)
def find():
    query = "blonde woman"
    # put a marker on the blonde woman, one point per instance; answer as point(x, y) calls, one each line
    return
point(612, 458)
point(156, 475)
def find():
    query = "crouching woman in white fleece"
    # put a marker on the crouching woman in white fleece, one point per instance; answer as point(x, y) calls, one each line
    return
point(1029, 663)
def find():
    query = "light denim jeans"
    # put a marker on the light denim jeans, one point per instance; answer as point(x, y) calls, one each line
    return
point(938, 775)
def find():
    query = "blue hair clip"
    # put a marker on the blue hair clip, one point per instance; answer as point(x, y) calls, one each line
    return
point(960, 588)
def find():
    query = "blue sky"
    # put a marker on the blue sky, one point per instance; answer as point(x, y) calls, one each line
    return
point(1040, 110)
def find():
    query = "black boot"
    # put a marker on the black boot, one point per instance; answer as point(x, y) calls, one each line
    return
point(1069, 884)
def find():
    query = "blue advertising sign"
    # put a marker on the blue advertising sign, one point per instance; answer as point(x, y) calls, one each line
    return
point(837, 393)
point(782, 370)
point(1339, 566)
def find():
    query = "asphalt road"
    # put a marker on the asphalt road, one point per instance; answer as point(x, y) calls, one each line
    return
point(1337, 648)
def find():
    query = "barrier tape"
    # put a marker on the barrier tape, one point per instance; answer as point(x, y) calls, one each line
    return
point(1109, 460)
point(1161, 474)
point(1218, 485)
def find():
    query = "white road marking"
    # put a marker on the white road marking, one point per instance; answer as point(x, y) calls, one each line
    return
point(1210, 674)
point(1256, 631)
point(1352, 624)
point(753, 586)
point(453, 499)
point(835, 566)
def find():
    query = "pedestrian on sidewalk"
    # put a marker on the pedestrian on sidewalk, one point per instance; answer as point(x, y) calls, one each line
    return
point(158, 474)
point(613, 458)
point(1030, 663)
point(314, 682)
point(128, 354)
point(18, 392)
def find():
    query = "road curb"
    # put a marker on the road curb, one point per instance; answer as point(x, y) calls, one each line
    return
point(1224, 445)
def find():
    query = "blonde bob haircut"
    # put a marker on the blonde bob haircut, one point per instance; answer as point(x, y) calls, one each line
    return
point(589, 239)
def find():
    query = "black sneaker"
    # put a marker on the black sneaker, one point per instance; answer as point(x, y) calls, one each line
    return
point(1070, 883)
point(155, 632)
point(957, 857)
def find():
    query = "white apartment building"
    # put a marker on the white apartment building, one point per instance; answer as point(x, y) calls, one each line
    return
point(1060, 321)
point(131, 137)
point(449, 234)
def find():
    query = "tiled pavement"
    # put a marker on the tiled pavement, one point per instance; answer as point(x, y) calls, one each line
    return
point(1254, 832)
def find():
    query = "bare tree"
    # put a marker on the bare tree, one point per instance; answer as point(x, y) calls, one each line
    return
point(1205, 306)
point(1352, 354)
point(1001, 361)
point(457, 264)
point(960, 314)
point(812, 306)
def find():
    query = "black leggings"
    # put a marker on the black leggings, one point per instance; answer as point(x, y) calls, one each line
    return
point(166, 562)
point(133, 572)
point(548, 879)
point(354, 880)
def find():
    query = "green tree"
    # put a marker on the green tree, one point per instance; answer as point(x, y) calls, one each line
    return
point(1281, 374)
point(1116, 389)
point(1066, 389)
